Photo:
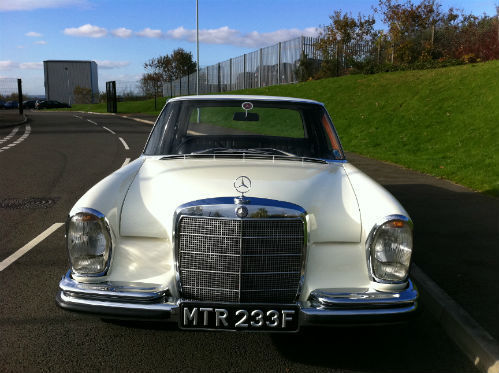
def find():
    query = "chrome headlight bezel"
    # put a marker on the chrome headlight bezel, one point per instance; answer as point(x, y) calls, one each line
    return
point(369, 248)
point(105, 223)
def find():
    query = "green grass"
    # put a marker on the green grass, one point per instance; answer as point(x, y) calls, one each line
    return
point(443, 122)
point(271, 121)
point(126, 107)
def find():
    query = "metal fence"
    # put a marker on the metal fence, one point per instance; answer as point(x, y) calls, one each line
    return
point(11, 89)
point(8, 89)
point(280, 63)
point(128, 88)
point(267, 66)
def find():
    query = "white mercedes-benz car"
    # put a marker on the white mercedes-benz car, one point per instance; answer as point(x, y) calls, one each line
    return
point(242, 213)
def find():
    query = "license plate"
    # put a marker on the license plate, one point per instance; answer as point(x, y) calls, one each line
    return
point(238, 317)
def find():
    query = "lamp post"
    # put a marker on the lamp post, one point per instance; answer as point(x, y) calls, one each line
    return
point(197, 48)
point(69, 91)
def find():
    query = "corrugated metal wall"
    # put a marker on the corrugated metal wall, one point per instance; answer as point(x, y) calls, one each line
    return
point(62, 77)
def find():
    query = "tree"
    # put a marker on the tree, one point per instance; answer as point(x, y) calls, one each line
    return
point(412, 27)
point(344, 28)
point(82, 95)
point(335, 39)
point(151, 84)
point(172, 66)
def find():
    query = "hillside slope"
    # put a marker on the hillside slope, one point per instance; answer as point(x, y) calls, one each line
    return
point(444, 122)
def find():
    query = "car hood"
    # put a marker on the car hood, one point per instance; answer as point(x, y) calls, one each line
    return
point(161, 186)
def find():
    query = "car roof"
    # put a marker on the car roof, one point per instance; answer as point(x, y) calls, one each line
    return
point(245, 97)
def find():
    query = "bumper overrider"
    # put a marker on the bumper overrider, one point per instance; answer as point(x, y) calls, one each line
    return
point(323, 307)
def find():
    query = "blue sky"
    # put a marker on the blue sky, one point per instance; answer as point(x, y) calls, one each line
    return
point(121, 35)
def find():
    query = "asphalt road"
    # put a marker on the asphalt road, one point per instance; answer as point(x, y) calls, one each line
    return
point(42, 176)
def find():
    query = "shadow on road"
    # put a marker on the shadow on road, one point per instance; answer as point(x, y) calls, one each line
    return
point(457, 244)
point(411, 347)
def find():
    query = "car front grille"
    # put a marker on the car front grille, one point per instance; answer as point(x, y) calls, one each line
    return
point(240, 260)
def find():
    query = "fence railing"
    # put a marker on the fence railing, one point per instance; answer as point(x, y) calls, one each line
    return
point(276, 64)
point(11, 89)
point(279, 63)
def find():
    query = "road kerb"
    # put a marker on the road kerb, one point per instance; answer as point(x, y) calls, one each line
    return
point(138, 119)
point(120, 115)
point(474, 341)
point(14, 124)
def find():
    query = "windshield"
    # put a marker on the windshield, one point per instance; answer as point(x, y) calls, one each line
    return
point(266, 128)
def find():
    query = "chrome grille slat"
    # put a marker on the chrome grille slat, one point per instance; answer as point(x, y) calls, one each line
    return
point(240, 260)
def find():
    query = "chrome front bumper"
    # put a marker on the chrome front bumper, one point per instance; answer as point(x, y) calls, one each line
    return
point(324, 307)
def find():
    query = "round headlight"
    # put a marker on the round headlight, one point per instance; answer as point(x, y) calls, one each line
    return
point(390, 250)
point(88, 242)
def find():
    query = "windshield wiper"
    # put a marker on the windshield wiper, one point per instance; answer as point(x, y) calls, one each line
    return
point(227, 153)
point(271, 151)
point(261, 151)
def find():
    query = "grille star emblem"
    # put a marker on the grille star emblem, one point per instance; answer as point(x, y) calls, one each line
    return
point(242, 184)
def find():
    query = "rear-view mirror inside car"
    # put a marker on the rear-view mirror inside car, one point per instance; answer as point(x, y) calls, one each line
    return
point(248, 117)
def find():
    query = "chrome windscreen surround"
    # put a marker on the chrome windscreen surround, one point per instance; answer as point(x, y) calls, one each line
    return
point(369, 242)
point(103, 218)
point(212, 238)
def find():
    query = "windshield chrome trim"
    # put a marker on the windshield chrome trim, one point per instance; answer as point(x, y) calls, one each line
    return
point(245, 97)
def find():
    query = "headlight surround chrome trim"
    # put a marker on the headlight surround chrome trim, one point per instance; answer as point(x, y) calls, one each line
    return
point(105, 222)
point(370, 240)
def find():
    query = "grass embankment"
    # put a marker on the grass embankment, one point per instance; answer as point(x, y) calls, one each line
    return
point(127, 107)
point(444, 122)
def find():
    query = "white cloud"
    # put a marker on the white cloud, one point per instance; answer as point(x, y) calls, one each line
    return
point(31, 65)
point(87, 30)
point(33, 34)
point(6, 5)
point(222, 35)
point(149, 33)
point(112, 64)
point(122, 32)
point(20, 47)
point(228, 36)
point(8, 65)
point(40, 42)
point(11, 65)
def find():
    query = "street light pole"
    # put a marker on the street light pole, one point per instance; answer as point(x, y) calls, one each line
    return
point(197, 47)
point(69, 91)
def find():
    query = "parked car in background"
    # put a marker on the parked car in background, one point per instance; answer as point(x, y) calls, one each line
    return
point(2, 103)
point(11, 105)
point(242, 213)
point(29, 104)
point(50, 104)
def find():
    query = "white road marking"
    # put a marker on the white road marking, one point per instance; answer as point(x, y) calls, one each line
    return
point(19, 140)
point(31, 244)
point(91, 121)
point(127, 160)
point(10, 135)
point(77, 116)
point(124, 143)
point(107, 129)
